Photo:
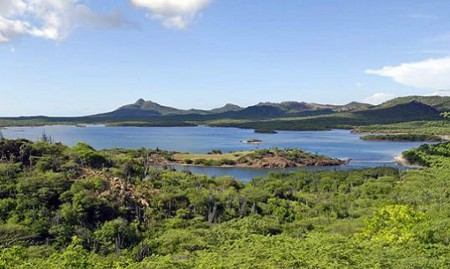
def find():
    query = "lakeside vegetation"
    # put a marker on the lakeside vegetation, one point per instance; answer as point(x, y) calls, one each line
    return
point(403, 138)
point(429, 155)
point(151, 124)
point(261, 158)
point(265, 131)
point(438, 128)
point(63, 207)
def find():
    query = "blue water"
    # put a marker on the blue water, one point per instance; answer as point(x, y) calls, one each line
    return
point(202, 139)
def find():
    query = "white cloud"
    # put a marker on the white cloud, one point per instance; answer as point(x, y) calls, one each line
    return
point(429, 74)
point(49, 19)
point(176, 14)
point(441, 93)
point(359, 84)
point(378, 98)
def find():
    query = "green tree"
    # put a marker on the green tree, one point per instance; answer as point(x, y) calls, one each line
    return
point(393, 224)
point(115, 235)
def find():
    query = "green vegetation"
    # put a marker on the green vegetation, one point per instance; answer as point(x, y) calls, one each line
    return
point(440, 103)
point(253, 141)
point(404, 138)
point(265, 131)
point(263, 117)
point(263, 158)
point(441, 128)
point(151, 124)
point(344, 120)
point(429, 155)
point(64, 207)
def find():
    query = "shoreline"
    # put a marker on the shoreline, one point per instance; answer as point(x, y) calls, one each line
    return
point(445, 138)
point(400, 160)
point(247, 166)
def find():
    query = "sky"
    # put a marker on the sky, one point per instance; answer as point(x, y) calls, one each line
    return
point(75, 57)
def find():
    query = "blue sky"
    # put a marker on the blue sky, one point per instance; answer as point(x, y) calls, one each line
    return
point(94, 56)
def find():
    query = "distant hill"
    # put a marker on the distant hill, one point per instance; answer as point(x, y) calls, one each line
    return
point(291, 107)
point(143, 109)
point(226, 108)
point(353, 106)
point(289, 115)
point(440, 103)
point(411, 111)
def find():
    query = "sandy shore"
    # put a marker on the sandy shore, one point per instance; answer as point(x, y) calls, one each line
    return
point(403, 162)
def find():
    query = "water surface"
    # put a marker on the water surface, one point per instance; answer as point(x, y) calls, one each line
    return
point(202, 139)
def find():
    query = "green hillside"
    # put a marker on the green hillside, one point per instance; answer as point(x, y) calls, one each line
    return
point(76, 207)
point(412, 111)
point(263, 116)
point(440, 103)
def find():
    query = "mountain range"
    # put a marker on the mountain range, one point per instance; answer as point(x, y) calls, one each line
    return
point(289, 115)
point(420, 107)
point(142, 108)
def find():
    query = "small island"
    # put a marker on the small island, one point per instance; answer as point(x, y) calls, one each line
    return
point(403, 138)
point(265, 131)
point(262, 158)
point(252, 141)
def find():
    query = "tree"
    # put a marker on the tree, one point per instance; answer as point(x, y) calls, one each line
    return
point(86, 155)
point(115, 235)
point(46, 138)
point(393, 224)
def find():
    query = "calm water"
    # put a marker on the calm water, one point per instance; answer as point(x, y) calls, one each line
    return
point(336, 143)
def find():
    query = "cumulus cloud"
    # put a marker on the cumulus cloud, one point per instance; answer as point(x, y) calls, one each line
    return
point(378, 98)
point(49, 19)
point(177, 14)
point(429, 74)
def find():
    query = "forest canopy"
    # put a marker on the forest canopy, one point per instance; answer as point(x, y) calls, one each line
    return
point(76, 207)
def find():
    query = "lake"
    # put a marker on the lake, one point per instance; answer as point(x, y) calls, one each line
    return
point(336, 143)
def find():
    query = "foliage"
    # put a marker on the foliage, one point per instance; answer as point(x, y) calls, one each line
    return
point(429, 155)
point(393, 224)
point(403, 138)
point(110, 209)
point(416, 127)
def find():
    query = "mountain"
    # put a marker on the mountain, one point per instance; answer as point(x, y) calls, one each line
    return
point(143, 109)
point(226, 108)
point(291, 107)
point(353, 106)
point(411, 111)
point(440, 103)
point(289, 115)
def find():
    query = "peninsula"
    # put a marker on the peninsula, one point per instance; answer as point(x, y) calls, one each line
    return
point(261, 158)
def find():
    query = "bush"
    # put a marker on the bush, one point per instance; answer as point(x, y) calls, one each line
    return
point(86, 155)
